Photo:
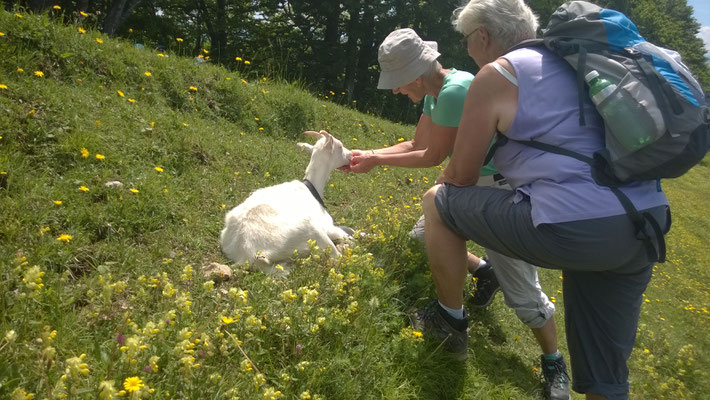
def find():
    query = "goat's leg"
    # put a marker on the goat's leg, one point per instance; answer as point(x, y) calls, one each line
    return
point(323, 241)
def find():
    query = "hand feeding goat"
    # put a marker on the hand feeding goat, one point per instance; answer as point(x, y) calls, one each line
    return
point(274, 221)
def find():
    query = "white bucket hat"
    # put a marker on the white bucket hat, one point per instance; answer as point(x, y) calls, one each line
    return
point(404, 57)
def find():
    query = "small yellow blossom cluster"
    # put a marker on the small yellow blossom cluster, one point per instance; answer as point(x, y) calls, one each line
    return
point(131, 351)
point(239, 295)
point(20, 394)
point(33, 280)
point(309, 295)
point(76, 368)
point(409, 333)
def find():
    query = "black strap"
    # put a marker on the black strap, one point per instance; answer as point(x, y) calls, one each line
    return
point(637, 219)
point(314, 192)
point(500, 140)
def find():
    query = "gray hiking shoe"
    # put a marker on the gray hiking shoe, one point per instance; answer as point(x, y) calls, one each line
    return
point(556, 378)
point(436, 324)
point(486, 287)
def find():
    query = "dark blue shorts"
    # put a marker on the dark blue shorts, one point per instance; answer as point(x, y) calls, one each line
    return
point(605, 270)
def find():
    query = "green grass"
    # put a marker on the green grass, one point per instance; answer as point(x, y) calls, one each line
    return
point(126, 295)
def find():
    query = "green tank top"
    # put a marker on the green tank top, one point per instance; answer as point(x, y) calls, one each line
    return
point(447, 108)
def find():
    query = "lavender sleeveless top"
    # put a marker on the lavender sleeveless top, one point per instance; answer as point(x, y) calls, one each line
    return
point(560, 188)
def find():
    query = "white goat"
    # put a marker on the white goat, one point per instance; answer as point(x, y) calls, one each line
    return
point(274, 221)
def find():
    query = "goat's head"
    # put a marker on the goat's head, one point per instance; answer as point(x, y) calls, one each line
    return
point(328, 151)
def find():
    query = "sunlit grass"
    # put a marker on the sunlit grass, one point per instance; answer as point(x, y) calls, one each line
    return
point(117, 166)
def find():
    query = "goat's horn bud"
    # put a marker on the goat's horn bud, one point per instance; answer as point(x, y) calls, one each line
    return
point(313, 134)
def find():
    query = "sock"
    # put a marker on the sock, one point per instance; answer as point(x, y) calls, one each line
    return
point(553, 356)
point(458, 314)
point(481, 264)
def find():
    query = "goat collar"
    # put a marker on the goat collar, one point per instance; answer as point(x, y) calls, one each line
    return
point(314, 192)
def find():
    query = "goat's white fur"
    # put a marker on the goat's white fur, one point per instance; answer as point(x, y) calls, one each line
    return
point(274, 221)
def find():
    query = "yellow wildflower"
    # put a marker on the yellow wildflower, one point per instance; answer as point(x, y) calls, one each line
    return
point(3, 86)
point(84, 152)
point(106, 390)
point(120, 93)
point(39, 74)
point(158, 169)
point(81, 30)
point(2, 34)
point(238, 58)
point(83, 188)
point(100, 156)
point(244, 81)
point(57, 7)
point(161, 55)
point(83, 14)
point(147, 73)
point(133, 384)
point(18, 15)
point(134, 190)
point(227, 320)
point(247, 62)
point(20, 70)
point(58, 202)
point(193, 89)
point(131, 101)
point(179, 40)
point(65, 238)
point(99, 41)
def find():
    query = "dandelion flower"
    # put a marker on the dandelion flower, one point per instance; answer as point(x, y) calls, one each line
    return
point(134, 190)
point(130, 30)
point(120, 93)
point(247, 62)
point(58, 202)
point(83, 14)
point(83, 188)
point(2, 34)
point(159, 169)
point(244, 81)
point(179, 40)
point(238, 58)
point(147, 73)
point(81, 30)
point(161, 55)
point(227, 320)
point(57, 7)
point(99, 41)
point(133, 384)
point(65, 238)
point(39, 74)
point(18, 15)
point(100, 156)
point(3, 86)
point(20, 70)
point(132, 101)
point(193, 88)
point(84, 152)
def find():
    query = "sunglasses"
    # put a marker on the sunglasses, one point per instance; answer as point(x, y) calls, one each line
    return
point(464, 40)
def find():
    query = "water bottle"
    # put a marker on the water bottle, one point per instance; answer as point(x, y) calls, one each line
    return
point(625, 117)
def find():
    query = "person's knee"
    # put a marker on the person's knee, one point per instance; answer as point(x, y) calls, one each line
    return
point(429, 201)
point(534, 317)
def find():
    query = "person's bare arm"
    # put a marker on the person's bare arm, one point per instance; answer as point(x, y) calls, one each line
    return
point(490, 106)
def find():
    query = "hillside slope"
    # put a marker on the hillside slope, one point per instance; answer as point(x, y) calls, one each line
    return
point(103, 286)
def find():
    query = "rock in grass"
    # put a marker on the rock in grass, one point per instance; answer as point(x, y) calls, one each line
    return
point(217, 272)
point(114, 184)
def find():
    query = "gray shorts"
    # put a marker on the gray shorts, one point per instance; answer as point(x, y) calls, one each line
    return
point(518, 279)
point(605, 272)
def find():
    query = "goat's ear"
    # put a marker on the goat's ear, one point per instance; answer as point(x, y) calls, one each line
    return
point(328, 142)
point(305, 147)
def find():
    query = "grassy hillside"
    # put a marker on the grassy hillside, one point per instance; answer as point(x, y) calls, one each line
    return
point(102, 286)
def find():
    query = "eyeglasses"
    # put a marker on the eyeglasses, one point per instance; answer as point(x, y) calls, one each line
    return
point(464, 40)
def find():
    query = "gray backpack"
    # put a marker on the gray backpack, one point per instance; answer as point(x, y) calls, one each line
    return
point(664, 98)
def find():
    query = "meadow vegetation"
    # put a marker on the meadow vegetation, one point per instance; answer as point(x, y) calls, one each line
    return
point(103, 291)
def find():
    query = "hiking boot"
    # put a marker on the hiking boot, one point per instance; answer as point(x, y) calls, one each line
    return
point(437, 324)
point(486, 287)
point(556, 378)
